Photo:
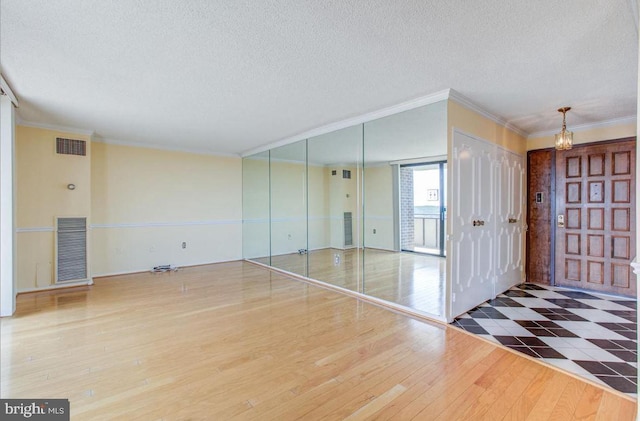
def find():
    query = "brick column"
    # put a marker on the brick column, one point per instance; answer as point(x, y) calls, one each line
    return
point(407, 240)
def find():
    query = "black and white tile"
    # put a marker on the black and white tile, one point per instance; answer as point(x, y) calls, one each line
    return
point(592, 335)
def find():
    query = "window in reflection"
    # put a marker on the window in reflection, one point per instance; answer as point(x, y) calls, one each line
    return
point(423, 207)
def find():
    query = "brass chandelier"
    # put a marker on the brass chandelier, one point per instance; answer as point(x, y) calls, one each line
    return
point(564, 139)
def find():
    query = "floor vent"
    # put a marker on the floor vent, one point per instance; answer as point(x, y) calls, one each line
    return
point(71, 259)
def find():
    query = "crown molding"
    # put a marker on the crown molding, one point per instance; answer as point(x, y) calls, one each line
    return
point(4, 86)
point(100, 139)
point(445, 94)
point(588, 126)
point(363, 118)
point(467, 103)
point(110, 141)
point(426, 160)
point(65, 129)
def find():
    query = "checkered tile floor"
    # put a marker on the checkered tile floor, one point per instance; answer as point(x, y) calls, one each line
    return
point(589, 334)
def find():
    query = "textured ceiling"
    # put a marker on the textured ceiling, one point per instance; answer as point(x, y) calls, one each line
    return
point(231, 75)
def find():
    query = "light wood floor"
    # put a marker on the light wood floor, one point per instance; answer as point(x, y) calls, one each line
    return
point(410, 279)
point(235, 340)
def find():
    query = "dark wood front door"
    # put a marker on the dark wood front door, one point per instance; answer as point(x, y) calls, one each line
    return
point(595, 217)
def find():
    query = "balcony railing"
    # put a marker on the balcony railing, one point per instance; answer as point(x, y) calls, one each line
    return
point(427, 231)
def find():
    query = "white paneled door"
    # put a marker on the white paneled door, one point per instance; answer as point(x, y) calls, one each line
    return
point(509, 220)
point(472, 214)
point(486, 221)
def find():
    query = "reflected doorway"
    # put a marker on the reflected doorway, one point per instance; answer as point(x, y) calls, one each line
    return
point(423, 208)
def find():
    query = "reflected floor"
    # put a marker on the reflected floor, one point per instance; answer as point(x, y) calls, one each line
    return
point(412, 280)
point(427, 250)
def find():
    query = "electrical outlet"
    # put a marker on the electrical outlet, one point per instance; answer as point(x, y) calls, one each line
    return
point(184, 244)
point(374, 230)
point(289, 236)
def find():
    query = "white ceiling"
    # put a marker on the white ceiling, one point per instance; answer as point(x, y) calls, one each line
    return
point(228, 76)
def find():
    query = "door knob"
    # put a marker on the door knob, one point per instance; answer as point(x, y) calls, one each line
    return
point(560, 221)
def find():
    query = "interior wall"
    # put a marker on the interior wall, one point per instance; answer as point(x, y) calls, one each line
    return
point(378, 215)
point(318, 206)
point(344, 197)
point(255, 207)
point(8, 240)
point(42, 177)
point(146, 202)
point(619, 131)
point(288, 207)
point(475, 124)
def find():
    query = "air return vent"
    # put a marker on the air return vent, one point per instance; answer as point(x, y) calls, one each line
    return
point(71, 259)
point(348, 229)
point(346, 173)
point(71, 146)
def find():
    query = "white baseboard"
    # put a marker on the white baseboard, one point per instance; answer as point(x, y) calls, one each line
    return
point(134, 271)
point(58, 286)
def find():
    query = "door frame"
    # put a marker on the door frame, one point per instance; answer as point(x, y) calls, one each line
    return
point(552, 246)
point(607, 179)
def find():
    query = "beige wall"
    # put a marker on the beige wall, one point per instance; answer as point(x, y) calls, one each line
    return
point(586, 136)
point(378, 207)
point(475, 124)
point(344, 196)
point(255, 207)
point(42, 177)
point(141, 204)
point(318, 206)
point(147, 202)
point(290, 230)
point(288, 207)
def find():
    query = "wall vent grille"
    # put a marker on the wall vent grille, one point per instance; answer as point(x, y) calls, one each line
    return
point(71, 146)
point(348, 229)
point(346, 173)
point(72, 249)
